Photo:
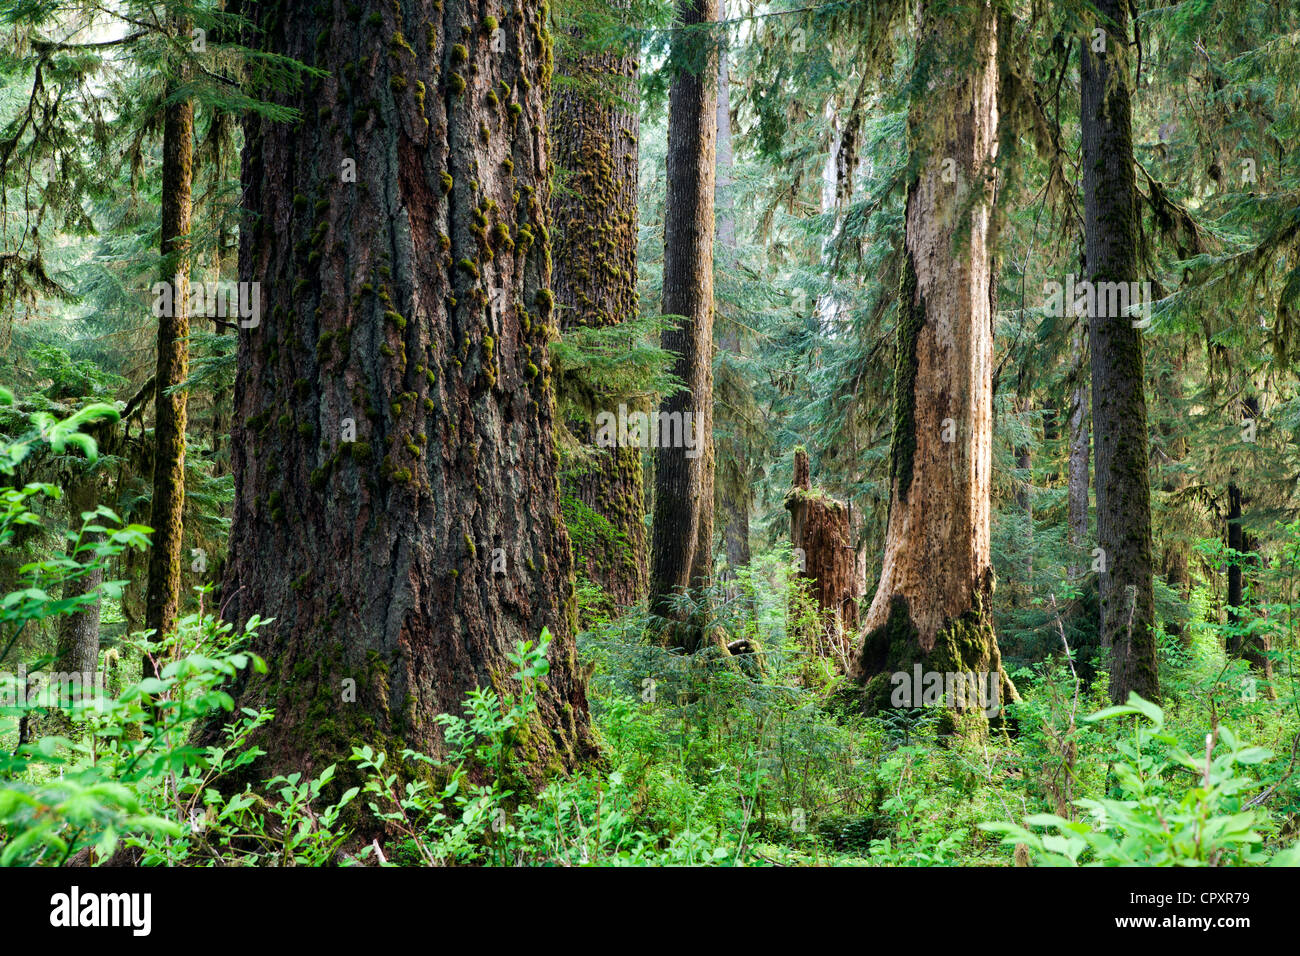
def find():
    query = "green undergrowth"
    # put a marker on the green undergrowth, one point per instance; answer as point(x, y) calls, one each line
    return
point(705, 759)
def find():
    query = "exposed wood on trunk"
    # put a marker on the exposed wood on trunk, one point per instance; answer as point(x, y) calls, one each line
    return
point(819, 531)
point(933, 603)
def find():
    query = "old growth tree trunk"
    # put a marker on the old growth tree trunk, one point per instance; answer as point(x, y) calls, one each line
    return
point(1118, 400)
point(163, 590)
point(396, 496)
point(933, 604)
point(682, 543)
point(594, 133)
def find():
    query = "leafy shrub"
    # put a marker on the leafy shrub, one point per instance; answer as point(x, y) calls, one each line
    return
point(1171, 808)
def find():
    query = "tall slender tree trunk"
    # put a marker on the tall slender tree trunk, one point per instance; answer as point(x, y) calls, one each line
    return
point(226, 258)
point(1237, 543)
point(163, 591)
point(1175, 549)
point(682, 543)
point(77, 649)
point(396, 492)
point(594, 132)
point(1025, 497)
point(1080, 453)
point(933, 606)
point(1119, 402)
point(1252, 648)
point(736, 493)
point(225, 264)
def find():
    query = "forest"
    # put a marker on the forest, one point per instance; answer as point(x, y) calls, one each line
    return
point(769, 433)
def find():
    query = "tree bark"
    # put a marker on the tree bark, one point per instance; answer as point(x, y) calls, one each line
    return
point(735, 485)
point(163, 591)
point(933, 604)
point(682, 542)
point(1119, 403)
point(594, 130)
point(400, 236)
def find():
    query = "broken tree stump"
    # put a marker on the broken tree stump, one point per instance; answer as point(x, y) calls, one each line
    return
point(819, 533)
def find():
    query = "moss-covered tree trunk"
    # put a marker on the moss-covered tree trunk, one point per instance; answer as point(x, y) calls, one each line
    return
point(396, 494)
point(682, 542)
point(1118, 400)
point(933, 603)
point(594, 131)
point(163, 590)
